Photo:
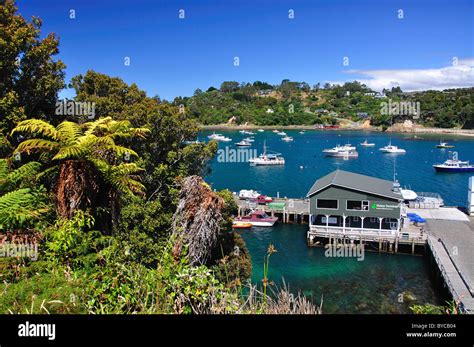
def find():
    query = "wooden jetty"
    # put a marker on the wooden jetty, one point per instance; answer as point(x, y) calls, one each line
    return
point(447, 229)
point(452, 247)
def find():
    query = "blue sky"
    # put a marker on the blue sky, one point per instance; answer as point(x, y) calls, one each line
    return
point(171, 56)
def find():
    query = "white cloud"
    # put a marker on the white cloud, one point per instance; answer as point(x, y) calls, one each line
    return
point(460, 75)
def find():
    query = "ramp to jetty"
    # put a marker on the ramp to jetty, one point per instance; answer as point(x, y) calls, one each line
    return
point(452, 245)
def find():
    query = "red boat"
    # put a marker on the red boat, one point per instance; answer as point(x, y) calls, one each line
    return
point(258, 219)
point(262, 199)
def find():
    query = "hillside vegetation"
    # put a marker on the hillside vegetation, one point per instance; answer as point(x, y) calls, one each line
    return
point(296, 103)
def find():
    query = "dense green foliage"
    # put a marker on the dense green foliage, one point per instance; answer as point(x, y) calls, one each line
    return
point(97, 196)
point(295, 103)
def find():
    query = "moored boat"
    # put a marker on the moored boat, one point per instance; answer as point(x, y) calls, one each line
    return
point(243, 143)
point(454, 165)
point(287, 138)
point(367, 144)
point(267, 159)
point(392, 149)
point(258, 219)
point(444, 145)
point(219, 137)
point(241, 225)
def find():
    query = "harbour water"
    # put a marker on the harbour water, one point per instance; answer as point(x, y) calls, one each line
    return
point(305, 163)
point(376, 284)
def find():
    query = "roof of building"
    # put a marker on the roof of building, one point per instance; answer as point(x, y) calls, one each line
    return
point(350, 180)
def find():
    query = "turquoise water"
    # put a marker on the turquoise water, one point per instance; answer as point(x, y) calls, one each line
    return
point(347, 285)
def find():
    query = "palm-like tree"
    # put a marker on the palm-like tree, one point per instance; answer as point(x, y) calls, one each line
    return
point(92, 168)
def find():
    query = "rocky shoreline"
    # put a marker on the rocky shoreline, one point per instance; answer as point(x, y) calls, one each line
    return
point(395, 129)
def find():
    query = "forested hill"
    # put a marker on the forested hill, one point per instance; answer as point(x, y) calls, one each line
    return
point(297, 103)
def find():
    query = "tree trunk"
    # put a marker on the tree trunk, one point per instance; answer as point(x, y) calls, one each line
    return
point(77, 187)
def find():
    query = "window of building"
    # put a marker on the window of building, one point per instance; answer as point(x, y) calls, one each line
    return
point(327, 204)
point(373, 219)
point(357, 205)
point(331, 220)
point(355, 219)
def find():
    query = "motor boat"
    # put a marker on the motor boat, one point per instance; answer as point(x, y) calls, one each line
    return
point(258, 219)
point(408, 195)
point(243, 143)
point(454, 165)
point(343, 154)
point(287, 138)
point(249, 139)
point(245, 194)
point(367, 144)
point(262, 200)
point(276, 131)
point(348, 147)
point(281, 133)
point(392, 149)
point(338, 149)
point(219, 137)
point(261, 130)
point(444, 145)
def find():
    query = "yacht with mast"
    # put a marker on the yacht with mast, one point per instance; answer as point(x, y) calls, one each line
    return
point(392, 149)
point(267, 159)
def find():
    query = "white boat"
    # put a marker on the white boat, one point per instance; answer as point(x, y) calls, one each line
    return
point(339, 148)
point(261, 130)
point(267, 159)
point(219, 137)
point(248, 194)
point(281, 133)
point(302, 132)
point(349, 147)
point(213, 136)
point(243, 143)
point(249, 139)
point(408, 194)
point(367, 144)
point(454, 165)
point(392, 149)
point(276, 131)
point(343, 154)
point(246, 132)
point(287, 138)
point(444, 145)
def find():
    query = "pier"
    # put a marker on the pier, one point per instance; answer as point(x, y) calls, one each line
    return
point(451, 243)
point(448, 235)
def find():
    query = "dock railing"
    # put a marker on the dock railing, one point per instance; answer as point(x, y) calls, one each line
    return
point(444, 273)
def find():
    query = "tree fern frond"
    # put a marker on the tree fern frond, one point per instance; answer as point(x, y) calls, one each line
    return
point(28, 171)
point(36, 145)
point(71, 152)
point(37, 127)
point(69, 132)
point(4, 170)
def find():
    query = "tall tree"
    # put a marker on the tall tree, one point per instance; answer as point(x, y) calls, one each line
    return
point(91, 166)
point(29, 76)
